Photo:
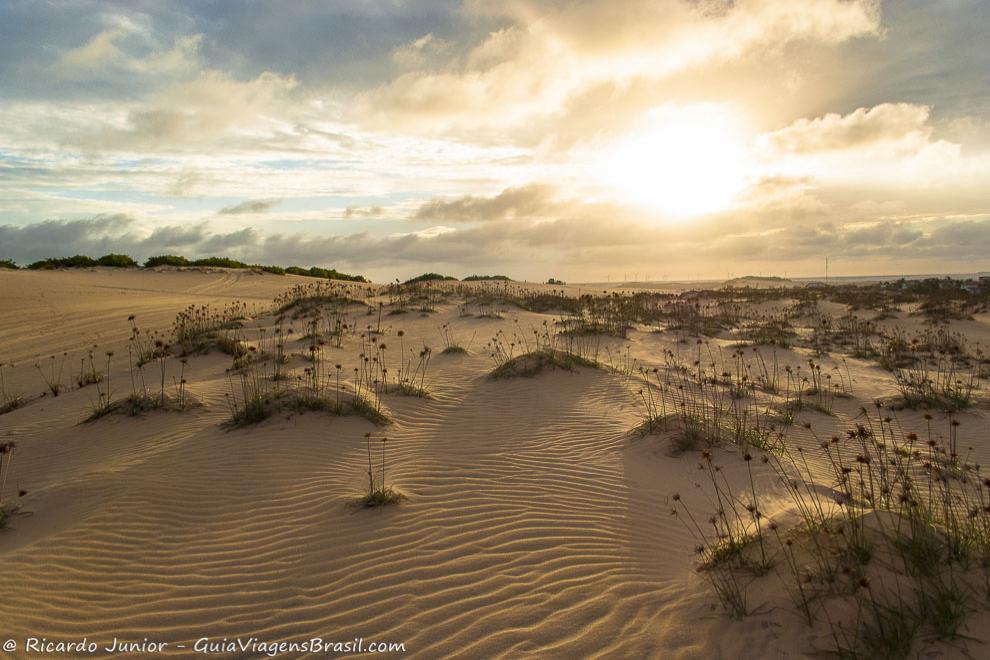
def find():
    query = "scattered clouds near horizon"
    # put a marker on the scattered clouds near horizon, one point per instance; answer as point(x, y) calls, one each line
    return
point(563, 247)
point(578, 137)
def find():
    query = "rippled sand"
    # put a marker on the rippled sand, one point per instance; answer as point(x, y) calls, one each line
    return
point(536, 525)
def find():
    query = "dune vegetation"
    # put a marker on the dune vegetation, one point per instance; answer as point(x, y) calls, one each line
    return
point(816, 450)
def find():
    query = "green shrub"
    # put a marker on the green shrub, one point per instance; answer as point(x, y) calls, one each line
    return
point(429, 277)
point(77, 261)
point(167, 260)
point(480, 278)
point(324, 273)
point(116, 261)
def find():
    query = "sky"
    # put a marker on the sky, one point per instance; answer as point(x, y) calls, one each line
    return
point(586, 141)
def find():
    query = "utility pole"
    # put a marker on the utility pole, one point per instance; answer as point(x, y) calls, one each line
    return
point(826, 269)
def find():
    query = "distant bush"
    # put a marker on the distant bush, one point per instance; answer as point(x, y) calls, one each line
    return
point(80, 261)
point(429, 277)
point(325, 273)
point(7, 263)
point(219, 262)
point(77, 261)
point(477, 278)
point(116, 261)
point(555, 281)
point(124, 261)
point(167, 260)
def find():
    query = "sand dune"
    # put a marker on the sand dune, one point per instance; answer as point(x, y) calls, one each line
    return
point(536, 524)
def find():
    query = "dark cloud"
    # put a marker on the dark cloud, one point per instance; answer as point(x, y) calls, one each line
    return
point(525, 202)
point(363, 212)
point(250, 206)
point(526, 248)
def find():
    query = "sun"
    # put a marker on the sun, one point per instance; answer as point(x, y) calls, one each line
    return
point(682, 162)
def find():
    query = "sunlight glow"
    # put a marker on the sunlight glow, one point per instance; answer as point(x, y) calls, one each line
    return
point(681, 161)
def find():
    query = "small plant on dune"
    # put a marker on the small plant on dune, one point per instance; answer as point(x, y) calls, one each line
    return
point(8, 400)
point(451, 346)
point(7, 509)
point(88, 374)
point(366, 407)
point(145, 346)
point(105, 403)
point(412, 379)
point(379, 493)
point(51, 373)
point(231, 345)
point(735, 528)
point(250, 396)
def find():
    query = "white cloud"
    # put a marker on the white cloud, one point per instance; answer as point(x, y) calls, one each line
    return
point(124, 47)
point(550, 52)
point(888, 144)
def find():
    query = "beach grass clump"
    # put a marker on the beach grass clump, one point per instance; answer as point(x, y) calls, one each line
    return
point(136, 404)
point(937, 385)
point(379, 493)
point(261, 387)
point(9, 400)
point(199, 329)
point(386, 496)
point(542, 348)
point(890, 543)
point(303, 299)
point(407, 388)
point(7, 508)
point(146, 346)
point(364, 406)
point(715, 400)
point(148, 391)
point(11, 404)
point(51, 371)
point(88, 374)
point(536, 362)
point(450, 341)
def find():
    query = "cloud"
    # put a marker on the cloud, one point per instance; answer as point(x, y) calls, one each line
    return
point(249, 206)
point(211, 110)
point(419, 52)
point(567, 244)
point(363, 212)
point(529, 201)
point(127, 48)
point(548, 52)
point(891, 149)
point(902, 126)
